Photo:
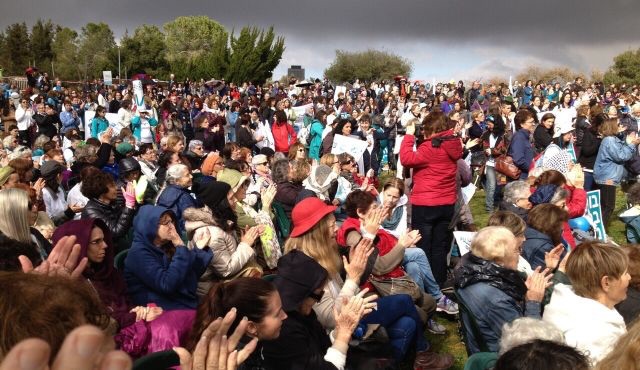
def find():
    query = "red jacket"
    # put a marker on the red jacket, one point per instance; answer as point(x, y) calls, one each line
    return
point(283, 135)
point(434, 169)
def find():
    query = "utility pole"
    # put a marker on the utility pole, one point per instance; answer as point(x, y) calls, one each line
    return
point(119, 75)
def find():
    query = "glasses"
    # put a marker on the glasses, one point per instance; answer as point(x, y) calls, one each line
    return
point(218, 164)
point(263, 164)
point(317, 297)
point(166, 222)
point(198, 148)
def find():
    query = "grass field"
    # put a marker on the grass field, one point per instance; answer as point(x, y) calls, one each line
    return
point(451, 342)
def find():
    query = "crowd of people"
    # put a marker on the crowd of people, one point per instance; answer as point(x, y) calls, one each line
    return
point(213, 225)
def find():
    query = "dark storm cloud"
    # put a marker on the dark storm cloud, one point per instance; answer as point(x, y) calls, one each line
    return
point(546, 29)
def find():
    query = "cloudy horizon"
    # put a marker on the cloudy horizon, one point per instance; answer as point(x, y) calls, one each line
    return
point(444, 40)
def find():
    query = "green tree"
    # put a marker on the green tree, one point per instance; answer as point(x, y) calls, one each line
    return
point(196, 47)
point(95, 50)
point(367, 65)
point(16, 46)
point(4, 55)
point(144, 51)
point(625, 69)
point(254, 55)
point(65, 52)
point(41, 41)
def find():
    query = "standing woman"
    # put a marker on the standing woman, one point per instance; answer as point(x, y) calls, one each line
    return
point(590, 144)
point(317, 127)
point(434, 194)
point(609, 166)
point(494, 144)
point(23, 119)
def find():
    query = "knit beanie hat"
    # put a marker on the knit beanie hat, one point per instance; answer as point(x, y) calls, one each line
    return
point(5, 172)
point(209, 163)
point(124, 148)
point(212, 193)
point(298, 276)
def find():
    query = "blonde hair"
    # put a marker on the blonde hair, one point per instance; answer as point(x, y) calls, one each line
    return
point(492, 243)
point(625, 354)
point(318, 244)
point(14, 214)
point(589, 262)
point(328, 159)
point(172, 141)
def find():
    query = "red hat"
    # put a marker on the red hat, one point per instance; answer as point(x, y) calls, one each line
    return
point(307, 213)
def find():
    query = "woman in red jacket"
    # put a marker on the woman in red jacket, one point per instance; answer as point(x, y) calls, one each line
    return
point(283, 133)
point(434, 186)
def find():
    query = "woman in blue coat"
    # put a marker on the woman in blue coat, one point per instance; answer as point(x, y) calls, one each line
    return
point(608, 170)
point(520, 148)
point(99, 123)
point(175, 193)
point(159, 268)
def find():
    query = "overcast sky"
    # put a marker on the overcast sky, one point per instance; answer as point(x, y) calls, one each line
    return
point(450, 39)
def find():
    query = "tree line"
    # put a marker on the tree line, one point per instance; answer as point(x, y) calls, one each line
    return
point(190, 47)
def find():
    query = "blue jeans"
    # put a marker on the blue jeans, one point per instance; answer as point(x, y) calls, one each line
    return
point(589, 183)
point(489, 188)
point(398, 315)
point(417, 266)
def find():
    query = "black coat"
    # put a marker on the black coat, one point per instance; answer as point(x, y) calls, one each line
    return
point(302, 344)
point(630, 307)
point(118, 220)
point(542, 137)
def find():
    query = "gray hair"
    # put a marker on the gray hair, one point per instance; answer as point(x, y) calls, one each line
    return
point(280, 171)
point(516, 190)
point(525, 330)
point(83, 153)
point(194, 143)
point(175, 172)
point(20, 152)
point(560, 194)
point(163, 141)
point(40, 141)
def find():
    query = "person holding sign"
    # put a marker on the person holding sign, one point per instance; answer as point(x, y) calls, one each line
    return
point(434, 193)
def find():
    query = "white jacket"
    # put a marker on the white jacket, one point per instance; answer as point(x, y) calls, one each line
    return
point(23, 118)
point(587, 324)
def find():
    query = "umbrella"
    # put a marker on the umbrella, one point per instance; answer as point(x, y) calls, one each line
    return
point(304, 83)
point(216, 85)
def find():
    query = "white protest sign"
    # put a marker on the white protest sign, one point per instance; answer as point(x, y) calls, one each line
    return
point(299, 111)
point(468, 192)
point(345, 144)
point(138, 94)
point(463, 240)
point(339, 89)
point(88, 117)
point(108, 79)
point(113, 122)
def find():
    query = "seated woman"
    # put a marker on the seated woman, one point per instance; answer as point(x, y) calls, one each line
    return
point(287, 192)
point(492, 289)
point(543, 233)
point(70, 302)
point(393, 201)
point(175, 194)
point(542, 354)
point(585, 310)
point(239, 184)
point(363, 221)
point(53, 194)
point(630, 307)
point(303, 343)
point(101, 190)
point(630, 216)
point(159, 268)
point(253, 298)
point(516, 198)
point(313, 233)
point(215, 226)
point(576, 200)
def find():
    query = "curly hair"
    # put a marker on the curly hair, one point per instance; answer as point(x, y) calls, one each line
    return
point(46, 307)
point(96, 183)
